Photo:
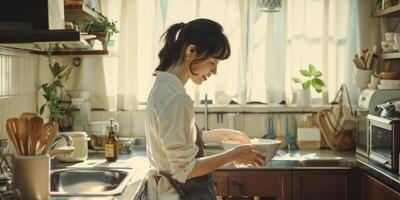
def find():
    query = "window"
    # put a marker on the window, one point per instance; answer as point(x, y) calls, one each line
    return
point(268, 49)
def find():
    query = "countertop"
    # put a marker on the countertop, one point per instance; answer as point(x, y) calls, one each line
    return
point(284, 160)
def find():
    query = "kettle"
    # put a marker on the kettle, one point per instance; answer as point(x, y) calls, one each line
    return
point(387, 110)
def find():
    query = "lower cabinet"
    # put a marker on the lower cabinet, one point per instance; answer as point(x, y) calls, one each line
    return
point(373, 189)
point(283, 184)
point(320, 184)
point(263, 184)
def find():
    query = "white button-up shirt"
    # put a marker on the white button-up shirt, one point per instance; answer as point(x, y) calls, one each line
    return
point(170, 134)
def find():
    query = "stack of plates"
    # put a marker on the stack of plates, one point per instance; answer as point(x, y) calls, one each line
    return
point(389, 84)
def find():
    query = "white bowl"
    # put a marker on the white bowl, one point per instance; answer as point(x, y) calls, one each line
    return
point(266, 147)
point(229, 144)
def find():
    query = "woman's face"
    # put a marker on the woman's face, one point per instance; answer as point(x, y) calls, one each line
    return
point(204, 70)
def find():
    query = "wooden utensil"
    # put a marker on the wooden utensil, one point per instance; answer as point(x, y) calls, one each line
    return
point(11, 127)
point(37, 125)
point(23, 135)
point(47, 136)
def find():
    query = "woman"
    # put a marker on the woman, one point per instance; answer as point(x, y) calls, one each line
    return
point(174, 143)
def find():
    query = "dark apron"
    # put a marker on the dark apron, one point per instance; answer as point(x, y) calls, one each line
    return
point(198, 188)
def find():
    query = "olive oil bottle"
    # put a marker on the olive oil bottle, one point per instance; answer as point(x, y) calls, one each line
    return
point(111, 145)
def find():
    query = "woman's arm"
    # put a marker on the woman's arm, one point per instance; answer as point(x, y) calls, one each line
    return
point(239, 154)
point(218, 135)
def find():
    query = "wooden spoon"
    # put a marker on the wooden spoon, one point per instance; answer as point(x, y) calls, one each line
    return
point(37, 128)
point(47, 136)
point(11, 127)
point(23, 124)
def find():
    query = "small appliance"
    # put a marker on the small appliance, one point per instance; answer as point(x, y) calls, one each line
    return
point(367, 102)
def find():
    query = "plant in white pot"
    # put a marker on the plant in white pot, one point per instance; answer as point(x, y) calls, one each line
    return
point(312, 76)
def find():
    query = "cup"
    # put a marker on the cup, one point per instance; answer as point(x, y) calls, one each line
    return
point(389, 36)
point(31, 175)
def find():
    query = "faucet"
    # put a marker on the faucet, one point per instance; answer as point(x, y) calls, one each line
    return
point(67, 138)
point(205, 113)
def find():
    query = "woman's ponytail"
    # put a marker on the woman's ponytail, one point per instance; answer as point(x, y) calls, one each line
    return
point(168, 54)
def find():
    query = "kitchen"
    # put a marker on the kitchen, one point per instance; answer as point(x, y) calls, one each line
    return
point(313, 84)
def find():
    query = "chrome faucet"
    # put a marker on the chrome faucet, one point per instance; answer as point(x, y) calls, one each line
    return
point(67, 138)
point(205, 113)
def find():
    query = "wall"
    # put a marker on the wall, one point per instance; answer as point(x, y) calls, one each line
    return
point(18, 84)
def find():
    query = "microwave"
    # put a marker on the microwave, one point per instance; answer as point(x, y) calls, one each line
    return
point(384, 141)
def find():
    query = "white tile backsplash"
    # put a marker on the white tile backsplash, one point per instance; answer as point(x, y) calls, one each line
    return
point(18, 84)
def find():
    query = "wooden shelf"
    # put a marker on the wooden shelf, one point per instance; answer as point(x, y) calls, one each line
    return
point(391, 55)
point(79, 12)
point(81, 53)
point(393, 11)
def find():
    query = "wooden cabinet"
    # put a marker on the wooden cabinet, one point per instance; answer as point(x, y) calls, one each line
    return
point(323, 184)
point(373, 189)
point(244, 183)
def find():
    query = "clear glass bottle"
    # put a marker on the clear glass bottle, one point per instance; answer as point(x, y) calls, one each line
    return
point(111, 146)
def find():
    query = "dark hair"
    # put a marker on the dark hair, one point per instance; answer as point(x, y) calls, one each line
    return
point(205, 34)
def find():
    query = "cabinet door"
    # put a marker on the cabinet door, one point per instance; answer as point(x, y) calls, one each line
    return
point(372, 189)
point(254, 183)
point(327, 185)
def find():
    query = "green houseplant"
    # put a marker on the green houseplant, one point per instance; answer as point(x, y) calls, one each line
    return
point(51, 91)
point(313, 80)
point(103, 28)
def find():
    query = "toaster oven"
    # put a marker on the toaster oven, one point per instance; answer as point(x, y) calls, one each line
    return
point(384, 141)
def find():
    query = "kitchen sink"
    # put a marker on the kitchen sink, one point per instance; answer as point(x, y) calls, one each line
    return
point(89, 182)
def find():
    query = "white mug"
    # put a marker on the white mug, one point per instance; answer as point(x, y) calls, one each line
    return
point(389, 36)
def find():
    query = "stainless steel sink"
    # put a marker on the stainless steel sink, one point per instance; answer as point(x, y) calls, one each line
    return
point(89, 182)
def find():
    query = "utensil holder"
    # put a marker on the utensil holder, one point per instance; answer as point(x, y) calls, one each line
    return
point(31, 176)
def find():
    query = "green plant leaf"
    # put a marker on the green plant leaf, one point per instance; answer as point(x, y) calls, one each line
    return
point(296, 80)
point(42, 109)
point(311, 68)
point(306, 84)
point(317, 84)
point(317, 74)
point(305, 73)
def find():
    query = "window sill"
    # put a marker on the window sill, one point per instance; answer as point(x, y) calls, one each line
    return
point(254, 108)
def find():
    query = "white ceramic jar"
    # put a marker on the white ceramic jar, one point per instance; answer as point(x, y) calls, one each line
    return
point(80, 142)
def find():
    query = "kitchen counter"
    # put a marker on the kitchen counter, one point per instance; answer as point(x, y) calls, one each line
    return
point(284, 160)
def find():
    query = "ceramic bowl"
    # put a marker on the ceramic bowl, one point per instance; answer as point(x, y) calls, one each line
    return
point(266, 147)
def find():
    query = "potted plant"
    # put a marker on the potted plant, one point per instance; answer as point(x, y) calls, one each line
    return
point(51, 91)
point(313, 80)
point(102, 28)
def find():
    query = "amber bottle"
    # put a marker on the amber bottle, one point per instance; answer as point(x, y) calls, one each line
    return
point(111, 146)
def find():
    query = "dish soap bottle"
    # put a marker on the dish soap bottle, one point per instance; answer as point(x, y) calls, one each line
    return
point(111, 145)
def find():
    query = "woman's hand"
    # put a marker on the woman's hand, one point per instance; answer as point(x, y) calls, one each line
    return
point(246, 154)
point(235, 135)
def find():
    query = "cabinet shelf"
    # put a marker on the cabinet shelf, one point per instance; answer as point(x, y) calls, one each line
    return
point(79, 12)
point(393, 11)
point(391, 55)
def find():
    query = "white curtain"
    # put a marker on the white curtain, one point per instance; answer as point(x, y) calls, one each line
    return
point(268, 49)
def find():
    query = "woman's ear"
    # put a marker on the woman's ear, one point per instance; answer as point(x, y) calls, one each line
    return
point(190, 51)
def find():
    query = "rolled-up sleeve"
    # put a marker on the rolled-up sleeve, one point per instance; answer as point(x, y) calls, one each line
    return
point(178, 136)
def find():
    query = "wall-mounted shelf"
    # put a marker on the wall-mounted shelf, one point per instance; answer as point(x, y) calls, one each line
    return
point(79, 12)
point(81, 53)
point(390, 56)
point(393, 11)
